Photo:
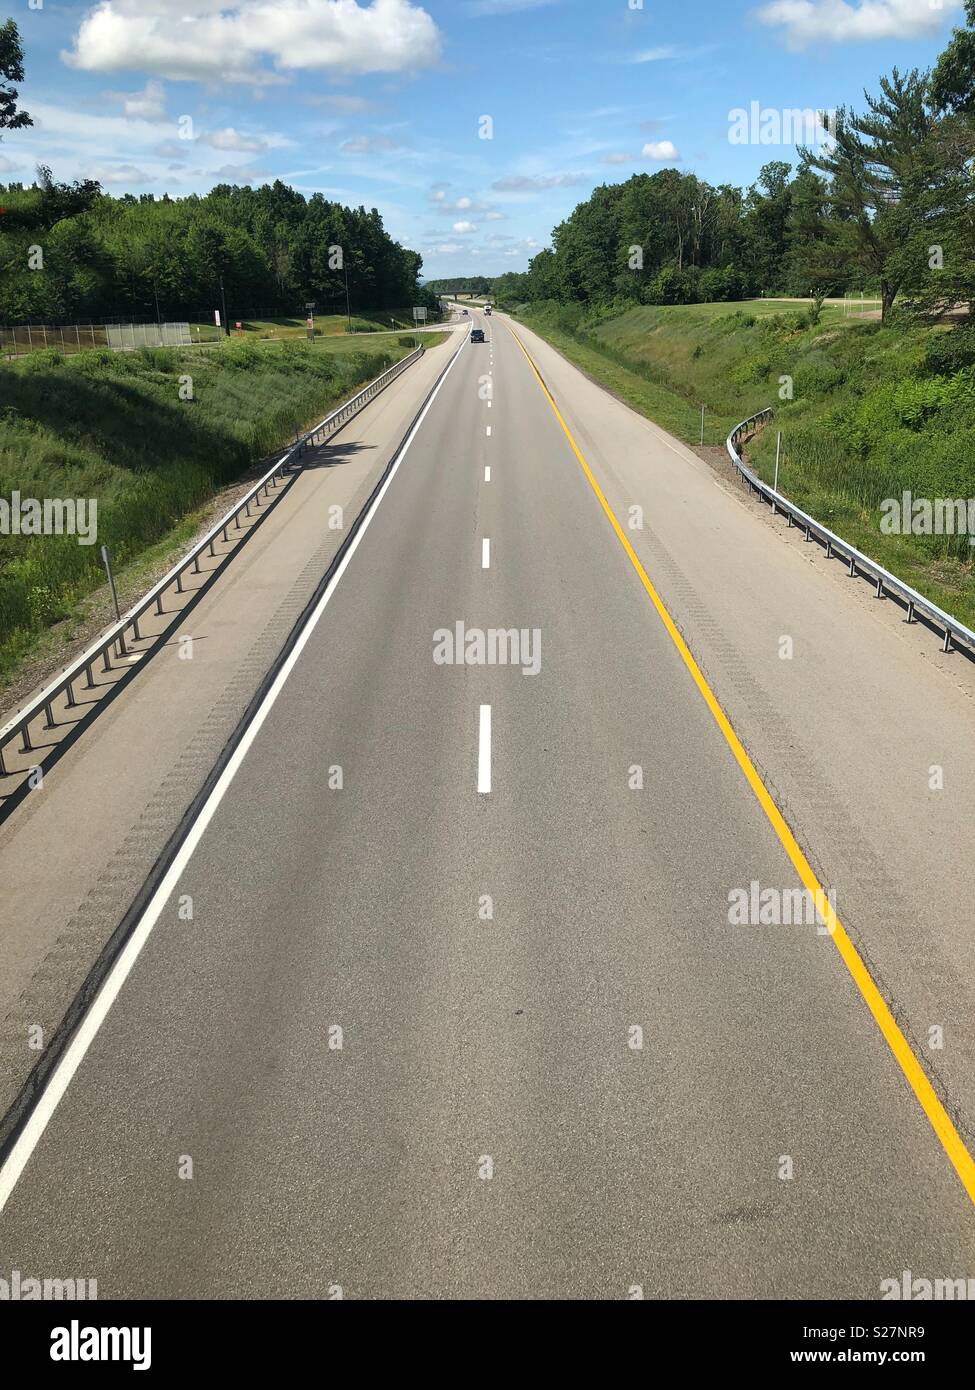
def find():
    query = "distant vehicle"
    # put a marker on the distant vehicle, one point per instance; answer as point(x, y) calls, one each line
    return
point(477, 335)
point(464, 312)
point(487, 308)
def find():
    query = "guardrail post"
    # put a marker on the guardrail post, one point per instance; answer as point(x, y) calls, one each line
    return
point(947, 645)
point(910, 610)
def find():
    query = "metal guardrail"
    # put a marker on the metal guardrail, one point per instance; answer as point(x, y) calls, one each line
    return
point(887, 583)
point(114, 637)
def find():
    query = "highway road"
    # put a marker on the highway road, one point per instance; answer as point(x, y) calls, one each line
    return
point(446, 1001)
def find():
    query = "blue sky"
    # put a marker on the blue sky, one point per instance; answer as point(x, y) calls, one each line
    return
point(383, 103)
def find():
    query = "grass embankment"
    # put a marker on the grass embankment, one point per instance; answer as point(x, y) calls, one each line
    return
point(874, 411)
point(112, 426)
point(327, 325)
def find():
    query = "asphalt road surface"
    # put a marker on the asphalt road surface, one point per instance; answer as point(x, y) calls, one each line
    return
point(496, 912)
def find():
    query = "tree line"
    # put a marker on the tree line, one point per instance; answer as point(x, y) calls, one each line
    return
point(887, 205)
point(71, 251)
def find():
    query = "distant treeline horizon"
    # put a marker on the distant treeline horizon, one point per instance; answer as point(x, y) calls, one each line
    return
point(885, 205)
point(72, 251)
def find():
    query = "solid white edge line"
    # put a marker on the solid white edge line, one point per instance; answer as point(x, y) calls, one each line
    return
point(487, 474)
point(484, 751)
point(63, 1073)
point(485, 554)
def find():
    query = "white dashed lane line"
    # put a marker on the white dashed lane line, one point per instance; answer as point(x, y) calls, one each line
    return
point(484, 752)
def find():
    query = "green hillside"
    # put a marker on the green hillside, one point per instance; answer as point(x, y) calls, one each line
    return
point(875, 411)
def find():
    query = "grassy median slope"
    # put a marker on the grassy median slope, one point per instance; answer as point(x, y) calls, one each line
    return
point(874, 412)
point(113, 426)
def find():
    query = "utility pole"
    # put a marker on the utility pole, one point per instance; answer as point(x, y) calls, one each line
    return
point(348, 302)
point(223, 297)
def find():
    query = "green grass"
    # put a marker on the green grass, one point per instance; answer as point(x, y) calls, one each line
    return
point(874, 411)
point(112, 426)
point(326, 325)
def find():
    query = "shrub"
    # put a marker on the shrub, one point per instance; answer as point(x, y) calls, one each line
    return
point(947, 353)
point(242, 357)
point(44, 359)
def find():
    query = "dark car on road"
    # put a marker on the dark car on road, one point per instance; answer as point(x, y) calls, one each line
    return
point(477, 335)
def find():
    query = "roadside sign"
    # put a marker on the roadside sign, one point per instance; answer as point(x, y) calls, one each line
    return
point(419, 315)
point(216, 317)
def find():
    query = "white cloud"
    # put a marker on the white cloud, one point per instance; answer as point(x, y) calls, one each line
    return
point(232, 39)
point(618, 158)
point(464, 227)
point(119, 173)
point(526, 183)
point(660, 149)
point(6, 165)
point(240, 173)
point(496, 216)
point(147, 105)
point(653, 55)
point(367, 144)
point(231, 139)
point(345, 105)
point(840, 21)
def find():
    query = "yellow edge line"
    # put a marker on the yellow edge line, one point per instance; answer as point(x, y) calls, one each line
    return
point(940, 1121)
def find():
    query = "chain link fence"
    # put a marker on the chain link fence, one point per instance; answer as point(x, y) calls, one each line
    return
point(122, 337)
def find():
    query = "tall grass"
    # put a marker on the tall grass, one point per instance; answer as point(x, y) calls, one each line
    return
point(866, 412)
point(113, 427)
